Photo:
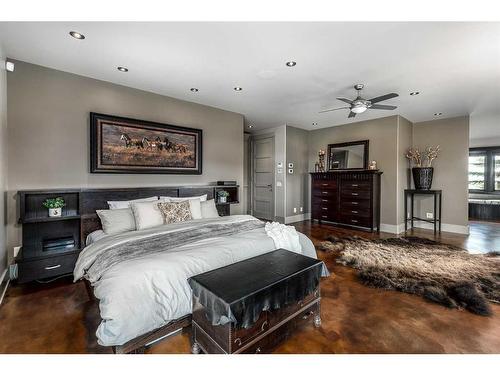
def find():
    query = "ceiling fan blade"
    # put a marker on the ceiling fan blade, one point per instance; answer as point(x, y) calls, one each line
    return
point(383, 97)
point(351, 114)
point(348, 101)
point(333, 109)
point(382, 106)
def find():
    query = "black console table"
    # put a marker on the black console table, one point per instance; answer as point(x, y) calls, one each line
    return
point(437, 207)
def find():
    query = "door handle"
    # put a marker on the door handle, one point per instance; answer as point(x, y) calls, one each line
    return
point(270, 186)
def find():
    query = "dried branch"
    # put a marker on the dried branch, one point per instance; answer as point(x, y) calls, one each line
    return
point(413, 154)
point(431, 154)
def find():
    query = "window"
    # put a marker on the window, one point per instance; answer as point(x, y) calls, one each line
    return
point(484, 170)
point(477, 172)
point(497, 171)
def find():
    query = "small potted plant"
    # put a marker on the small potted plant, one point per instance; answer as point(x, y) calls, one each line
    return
point(55, 206)
point(222, 196)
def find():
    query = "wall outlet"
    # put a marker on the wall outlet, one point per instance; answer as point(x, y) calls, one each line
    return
point(301, 209)
point(295, 210)
point(16, 250)
point(429, 215)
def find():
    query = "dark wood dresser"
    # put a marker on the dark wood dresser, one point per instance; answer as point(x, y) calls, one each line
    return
point(347, 197)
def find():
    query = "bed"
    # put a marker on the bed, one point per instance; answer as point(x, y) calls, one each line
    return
point(146, 297)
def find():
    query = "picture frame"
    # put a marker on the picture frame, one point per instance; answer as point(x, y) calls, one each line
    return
point(126, 145)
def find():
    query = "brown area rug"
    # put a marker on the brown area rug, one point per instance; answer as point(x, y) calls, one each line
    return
point(441, 273)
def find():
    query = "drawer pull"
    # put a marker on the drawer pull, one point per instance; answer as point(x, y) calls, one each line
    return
point(307, 315)
point(324, 200)
point(237, 341)
point(354, 221)
point(263, 326)
point(324, 184)
point(53, 267)
point(324, 192)
point(324, 216)
point(354, 212)
point(354, 185)
point(354, 193)
point(354, 203)
point(258, 350)
point(324, 208)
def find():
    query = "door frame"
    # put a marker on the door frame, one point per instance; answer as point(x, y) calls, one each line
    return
point(253, 138)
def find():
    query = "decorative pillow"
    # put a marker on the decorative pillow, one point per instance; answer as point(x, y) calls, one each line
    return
point(116, 221)
point(195, 208)
point(174, 212)
point(147, 215)
point(114, 205)
point(208, 209)
point(202, 198)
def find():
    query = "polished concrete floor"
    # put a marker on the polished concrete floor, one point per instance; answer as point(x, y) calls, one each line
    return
point(59, 318)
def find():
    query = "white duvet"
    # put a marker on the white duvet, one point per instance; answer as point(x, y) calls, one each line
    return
point(140, 295)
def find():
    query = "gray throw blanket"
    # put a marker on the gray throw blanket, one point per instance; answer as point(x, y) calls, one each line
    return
point(164, 242)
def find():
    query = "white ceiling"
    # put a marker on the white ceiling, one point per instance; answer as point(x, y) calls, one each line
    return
point(455, 66)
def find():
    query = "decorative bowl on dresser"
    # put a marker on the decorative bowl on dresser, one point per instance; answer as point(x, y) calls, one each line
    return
point(347, 197)
point(252, 314)
point(50, 245)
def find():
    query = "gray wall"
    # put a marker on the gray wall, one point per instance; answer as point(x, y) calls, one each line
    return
point(405, 133)
point(48, 132)
point(382, 134)
point(297, 184)
point(450, 168)
point(3, 165)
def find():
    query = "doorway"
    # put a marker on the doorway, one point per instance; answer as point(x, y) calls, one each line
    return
point(263, 177)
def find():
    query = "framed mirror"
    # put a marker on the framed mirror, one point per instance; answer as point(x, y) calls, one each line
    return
point(348, 155)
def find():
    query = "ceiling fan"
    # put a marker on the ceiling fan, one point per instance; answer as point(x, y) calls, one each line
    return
point(359, 105)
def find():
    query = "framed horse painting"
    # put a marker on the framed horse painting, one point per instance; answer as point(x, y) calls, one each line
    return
point(125, 145)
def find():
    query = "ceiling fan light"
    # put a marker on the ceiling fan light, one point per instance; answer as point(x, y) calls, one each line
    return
point(358, 108)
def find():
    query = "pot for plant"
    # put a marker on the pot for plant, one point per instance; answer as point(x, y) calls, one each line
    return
point(55, 212)
point(422, 177)
point(222, 199)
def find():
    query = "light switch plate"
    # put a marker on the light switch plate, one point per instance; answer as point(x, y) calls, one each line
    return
point(280, 165)
point(278, 183)
point(280, 170)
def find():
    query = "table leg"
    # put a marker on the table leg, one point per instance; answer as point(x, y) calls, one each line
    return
point(440, 217)
point(406, 212)
point(435, 213)
point(411, 210)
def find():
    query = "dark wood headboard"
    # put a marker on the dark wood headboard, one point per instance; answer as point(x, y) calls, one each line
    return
point(97, 199)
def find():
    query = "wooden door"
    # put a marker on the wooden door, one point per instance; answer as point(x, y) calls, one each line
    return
point(263, 178)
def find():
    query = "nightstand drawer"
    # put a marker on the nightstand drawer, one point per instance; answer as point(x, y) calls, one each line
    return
point(47, 267)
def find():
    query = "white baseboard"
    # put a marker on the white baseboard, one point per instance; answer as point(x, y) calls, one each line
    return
point(295, 218)
point(452, 228)
point(4, 284)
point(391, 228)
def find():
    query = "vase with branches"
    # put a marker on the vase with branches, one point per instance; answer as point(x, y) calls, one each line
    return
point(422, 165)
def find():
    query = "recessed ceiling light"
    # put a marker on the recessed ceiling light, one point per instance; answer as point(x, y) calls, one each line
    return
point(76, 35)
point(237, 88)
point(290, 63)
point(438, 113)
point(194, 89)
point(122, 69)
point(414, 93)
point(315, 123)
point(250, 126)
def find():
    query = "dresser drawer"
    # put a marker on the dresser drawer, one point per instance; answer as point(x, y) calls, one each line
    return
point(355, 220)
point(328, 193)
point(354, 204)
point(356, 185)
point(323, 201)
point(324, 185)
point(355, 195)
point(357, 212)
point(45, 268)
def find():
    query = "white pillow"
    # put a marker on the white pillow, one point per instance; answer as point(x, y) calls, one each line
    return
point(202, 198)
point(94, 236)
point(147, 215)
point(208, 209)
point(195, 208)
point(114, 205)
point(116, 221)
